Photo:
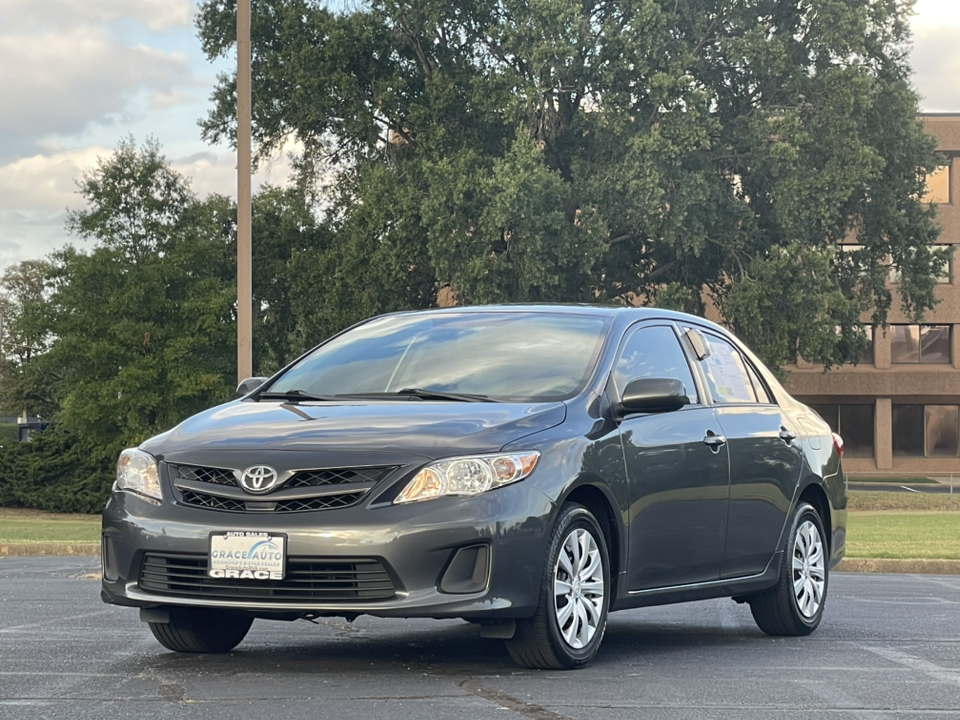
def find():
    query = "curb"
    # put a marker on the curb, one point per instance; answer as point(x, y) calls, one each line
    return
point(847, 565)
point(900, 567)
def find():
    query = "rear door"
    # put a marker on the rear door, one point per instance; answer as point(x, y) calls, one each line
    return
point(677, 471)
point(766, 458)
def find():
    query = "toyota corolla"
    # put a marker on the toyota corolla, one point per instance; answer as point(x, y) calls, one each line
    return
point(526, 468)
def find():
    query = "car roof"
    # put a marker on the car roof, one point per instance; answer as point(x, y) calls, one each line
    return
point(624, 314)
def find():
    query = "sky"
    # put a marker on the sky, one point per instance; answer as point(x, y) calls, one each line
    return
point(81, 75)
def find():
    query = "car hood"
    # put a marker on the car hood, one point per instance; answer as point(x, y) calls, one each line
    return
point(409, 427)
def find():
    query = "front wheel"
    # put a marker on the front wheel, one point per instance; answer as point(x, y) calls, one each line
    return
point(568, 626)
point(795, 605)
point(201, 630)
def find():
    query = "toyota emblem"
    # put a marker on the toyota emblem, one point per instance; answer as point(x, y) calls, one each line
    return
point(258, 479)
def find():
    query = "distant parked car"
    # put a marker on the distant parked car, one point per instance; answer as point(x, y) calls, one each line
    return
point(527, 468)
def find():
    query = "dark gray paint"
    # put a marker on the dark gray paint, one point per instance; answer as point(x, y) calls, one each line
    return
point(656, 507)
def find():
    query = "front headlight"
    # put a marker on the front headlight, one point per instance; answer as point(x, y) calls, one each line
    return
point(137, 473)
point(468, 475)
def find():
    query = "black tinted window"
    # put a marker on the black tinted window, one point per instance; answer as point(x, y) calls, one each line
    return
point(653, 352)
point(505, 356)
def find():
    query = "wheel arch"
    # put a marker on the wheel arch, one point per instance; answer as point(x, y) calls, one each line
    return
point(599, 501)
point(817, 497)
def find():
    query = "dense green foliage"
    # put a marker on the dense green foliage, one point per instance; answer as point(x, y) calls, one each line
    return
point(641, 150)
point(122, 341)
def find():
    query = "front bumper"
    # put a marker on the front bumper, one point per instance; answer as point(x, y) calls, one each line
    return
point(473, 557)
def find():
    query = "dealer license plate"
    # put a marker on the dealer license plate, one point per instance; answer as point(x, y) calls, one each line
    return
point(241, 555)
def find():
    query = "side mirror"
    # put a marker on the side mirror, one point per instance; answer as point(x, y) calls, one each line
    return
point(249, 385)
point(653, 395)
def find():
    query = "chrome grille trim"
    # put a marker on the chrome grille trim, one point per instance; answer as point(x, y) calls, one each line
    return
point(302, 491)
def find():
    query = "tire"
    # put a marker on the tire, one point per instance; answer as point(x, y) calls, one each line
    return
point(200, 630)
point(567, 628)
point(795, 605)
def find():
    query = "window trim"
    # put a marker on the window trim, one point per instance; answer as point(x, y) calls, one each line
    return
point(699, 385)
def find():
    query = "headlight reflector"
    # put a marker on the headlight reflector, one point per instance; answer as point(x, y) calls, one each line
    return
point(137, 473)
point(468, 475)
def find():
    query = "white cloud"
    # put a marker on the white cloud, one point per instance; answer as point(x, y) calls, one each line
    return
point(936, 66)
point(46, 182)
point(157, 15)
point(58, 83)
point(936, 13)
point(36, 192)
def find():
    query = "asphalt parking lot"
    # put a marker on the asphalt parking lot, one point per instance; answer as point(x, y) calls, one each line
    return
point(889, 647)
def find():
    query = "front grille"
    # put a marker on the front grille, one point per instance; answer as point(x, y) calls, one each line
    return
point(217, 489)
point(216, 476)
point(328, 502)
point(335, 476)
point(213, 502)
point(306, 579)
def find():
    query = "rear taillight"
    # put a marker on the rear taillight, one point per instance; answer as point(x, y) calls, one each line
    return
point(838, 444)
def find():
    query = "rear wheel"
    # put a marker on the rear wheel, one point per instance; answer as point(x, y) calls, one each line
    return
point(571, 617)
point(795, 605)
point(200, 630)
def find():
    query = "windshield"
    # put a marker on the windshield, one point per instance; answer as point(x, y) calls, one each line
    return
point(504, 356)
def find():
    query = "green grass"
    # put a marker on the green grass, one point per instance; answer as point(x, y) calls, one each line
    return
point(884, 534)
point(872, 501)
point(24, 526)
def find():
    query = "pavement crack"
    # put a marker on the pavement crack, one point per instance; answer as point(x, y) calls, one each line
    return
point(171, 692)
point(534, 712)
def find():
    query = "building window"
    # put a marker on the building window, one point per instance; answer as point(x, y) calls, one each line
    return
point(942, 279)
point(942, 430)
point(866, 357)
point(938, 185)
point(926, 430)
point(854, 423)
point(927, 344)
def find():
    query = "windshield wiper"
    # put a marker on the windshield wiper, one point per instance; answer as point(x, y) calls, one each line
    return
point(423, 394)
point(293, 395)
point(428, 394)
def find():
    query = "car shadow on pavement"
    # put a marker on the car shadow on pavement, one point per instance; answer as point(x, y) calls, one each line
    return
point(441, 648)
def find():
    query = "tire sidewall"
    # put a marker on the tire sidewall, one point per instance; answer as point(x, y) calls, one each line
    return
point(804, 513)
point(574, 517)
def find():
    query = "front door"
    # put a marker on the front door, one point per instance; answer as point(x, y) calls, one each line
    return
point(677, 471)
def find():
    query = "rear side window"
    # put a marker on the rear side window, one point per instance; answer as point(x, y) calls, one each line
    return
point(762, 395)
point(653, 352)
point(727, 373)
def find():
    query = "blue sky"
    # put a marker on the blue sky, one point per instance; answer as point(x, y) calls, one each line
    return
point(80, 75)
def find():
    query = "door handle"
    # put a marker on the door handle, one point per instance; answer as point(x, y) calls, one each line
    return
point(787, 436)
point(714, 441)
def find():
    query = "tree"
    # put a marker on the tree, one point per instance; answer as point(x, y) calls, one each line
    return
point(124, 340)
point(642, 150)
point(24, 290)
point(136, 334)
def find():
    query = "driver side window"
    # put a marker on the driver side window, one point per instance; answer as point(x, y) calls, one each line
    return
point(653, 351)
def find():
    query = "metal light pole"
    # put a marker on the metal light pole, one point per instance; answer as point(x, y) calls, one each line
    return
point(244, 214)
